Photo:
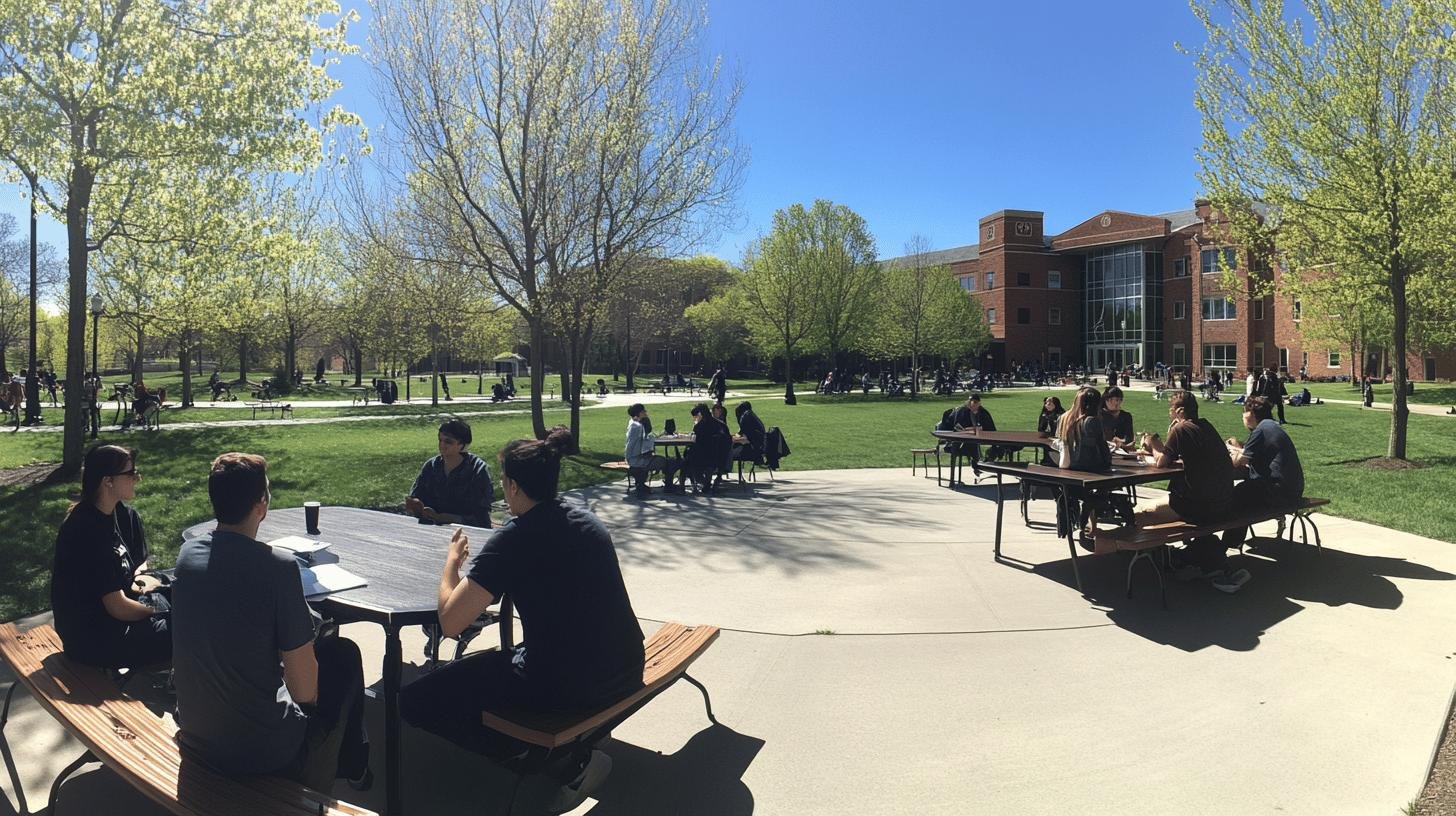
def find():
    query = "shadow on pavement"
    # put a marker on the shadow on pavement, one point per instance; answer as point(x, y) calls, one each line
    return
point(705, 777)
point(1286, 578)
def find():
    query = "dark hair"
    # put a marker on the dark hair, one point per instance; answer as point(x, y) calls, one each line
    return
point(238, 481)
point(1057, 401)
point(456, 429)
point(1112, 392)
point(700, 409)
point(1187, 401)
point(1087, 404)
point(718, 406)
point(743, 408)
point(101, 462)
point(974, 398)
point(535, 464)
point(634, 409)
point(1259, 407)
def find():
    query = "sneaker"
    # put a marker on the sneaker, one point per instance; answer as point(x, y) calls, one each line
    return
point(364, 782)
point(591, 777)
point(1231, 582)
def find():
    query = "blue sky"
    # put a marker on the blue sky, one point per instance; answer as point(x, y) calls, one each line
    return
point(925, 116)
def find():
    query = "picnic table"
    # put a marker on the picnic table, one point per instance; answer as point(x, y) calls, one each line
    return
point(1015, 440)
point(273, 407)
point(401, 559)
point(358, 393)
point(1124, 472)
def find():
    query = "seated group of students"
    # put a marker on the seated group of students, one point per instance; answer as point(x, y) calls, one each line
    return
point(264, 686)
point(704, 463)
point(1205, 492)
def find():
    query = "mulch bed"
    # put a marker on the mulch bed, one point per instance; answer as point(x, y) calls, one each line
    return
point(28, 474)
point(1439, 795)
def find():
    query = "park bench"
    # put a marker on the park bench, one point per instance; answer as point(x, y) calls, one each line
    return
point(632, 473)
point(668, 653)
point(1143, 541)
point(139, 746)
point(282, 410)
point(359, 393)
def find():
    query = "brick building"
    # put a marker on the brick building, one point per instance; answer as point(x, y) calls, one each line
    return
point(1125, 289)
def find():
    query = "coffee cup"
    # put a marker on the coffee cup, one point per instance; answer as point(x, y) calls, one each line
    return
point(311, 517)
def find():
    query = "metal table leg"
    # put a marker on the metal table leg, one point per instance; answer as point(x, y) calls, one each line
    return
point(1073, 525)
point(1000, 503)
point(393, 664)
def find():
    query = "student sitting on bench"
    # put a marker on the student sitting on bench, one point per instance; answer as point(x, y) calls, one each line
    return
point(584, 647)
point(1276, 479)
point(105, 614)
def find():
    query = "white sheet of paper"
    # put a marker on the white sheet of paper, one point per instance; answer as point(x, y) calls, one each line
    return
point(299, 544)
point(322, 579)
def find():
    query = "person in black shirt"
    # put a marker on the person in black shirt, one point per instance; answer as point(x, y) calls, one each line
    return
point(104, 614)
point(454, 487)
point(968, 416)
point(712, 445)
point(1275, 476)
point(584, 645)
point(1051, 414)
point(751, 428)
point(1116, 423)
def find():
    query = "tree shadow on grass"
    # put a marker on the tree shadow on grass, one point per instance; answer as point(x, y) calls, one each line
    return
point(1287, 577)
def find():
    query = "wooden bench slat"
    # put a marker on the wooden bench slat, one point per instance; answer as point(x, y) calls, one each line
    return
point(1167, 532)
point(140, 746)
point(666, 656)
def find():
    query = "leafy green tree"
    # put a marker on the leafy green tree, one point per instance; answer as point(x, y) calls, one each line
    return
point(719, 331)
point(923, 311)
point(1327, 133)
point(646, 304)
point(780, 285)
point(841, 255)
point(95, 96)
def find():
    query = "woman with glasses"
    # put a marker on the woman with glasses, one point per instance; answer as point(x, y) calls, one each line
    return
point(105, 614)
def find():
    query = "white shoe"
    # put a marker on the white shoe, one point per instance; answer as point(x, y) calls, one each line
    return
point(1232, 582)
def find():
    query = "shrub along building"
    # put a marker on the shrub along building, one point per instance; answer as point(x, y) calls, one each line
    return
point(1128, 289)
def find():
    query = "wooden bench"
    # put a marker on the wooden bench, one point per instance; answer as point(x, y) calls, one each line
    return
point(282, 410)
point(668, 653)
point(922, 455)
point(1144, 541)
point(138, 745)
point(359, 393)
point(621, 465)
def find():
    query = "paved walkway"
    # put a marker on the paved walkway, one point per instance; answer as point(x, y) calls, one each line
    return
point(946, 683)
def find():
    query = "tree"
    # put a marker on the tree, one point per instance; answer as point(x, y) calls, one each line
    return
point(95, 97)
point(15, 282)
point(1328, 134)
point(548, 143)
point(924, 311)
point(846, 277)
point(780, 285)
point(646, 306)
point(718, 327)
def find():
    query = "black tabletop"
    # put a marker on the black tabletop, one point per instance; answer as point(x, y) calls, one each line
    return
point(1121, 474)
point(398, 556)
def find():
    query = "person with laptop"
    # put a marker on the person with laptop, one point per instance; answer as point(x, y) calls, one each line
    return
point(257, 691)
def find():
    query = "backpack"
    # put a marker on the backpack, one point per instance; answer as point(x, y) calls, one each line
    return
point(947, 420)
point(775, 448)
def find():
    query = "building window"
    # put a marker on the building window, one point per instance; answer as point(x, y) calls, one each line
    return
point(1180, 267)
point(1304, 359)
point(1054, 279)
point(1209, 261)
point(1180, 309)
point(1023, 278)
point(968, 283)
point(1334, 359)
point(1284, 359)
point(1258, 361)
point(1180, 355)
point(990, 316)
point(1054, 316)
point(990, 280)
point(1220, 355)
point(1023, 316)
point(1296, 310)
point(1218, 308)
point(1054, 356)
point(1256, 309)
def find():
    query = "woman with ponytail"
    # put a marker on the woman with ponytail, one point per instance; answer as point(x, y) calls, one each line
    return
point(584, 649)
point(102, 612)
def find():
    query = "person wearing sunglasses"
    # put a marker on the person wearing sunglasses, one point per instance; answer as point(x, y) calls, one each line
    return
point(105, 613)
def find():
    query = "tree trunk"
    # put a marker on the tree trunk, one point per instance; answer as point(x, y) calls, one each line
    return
point(243, 359)
point(358, 365)
point(1400, 412)
point(78, 204)
point(538, 376)
point(789, 398)
point(290, 355)
point(137, 374)
point(563, 366)
point(184, 353)
point(578, 363)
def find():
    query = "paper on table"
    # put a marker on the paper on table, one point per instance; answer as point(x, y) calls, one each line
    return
point(324, 579)
point(299, 544)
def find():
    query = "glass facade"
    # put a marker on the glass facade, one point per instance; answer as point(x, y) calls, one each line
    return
point(1123, 300)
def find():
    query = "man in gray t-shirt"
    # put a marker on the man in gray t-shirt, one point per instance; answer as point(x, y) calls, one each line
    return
point(239, 604)
point(256, 693)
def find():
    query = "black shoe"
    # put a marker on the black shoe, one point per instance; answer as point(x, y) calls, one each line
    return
point(363, 783)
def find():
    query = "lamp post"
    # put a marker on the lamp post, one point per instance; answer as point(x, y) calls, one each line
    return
point(32, 384)
point(97, 309)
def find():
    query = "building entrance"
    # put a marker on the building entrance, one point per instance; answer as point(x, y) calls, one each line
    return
point(1119, 357)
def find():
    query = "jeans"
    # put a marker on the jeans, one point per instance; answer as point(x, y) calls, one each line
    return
point(448, 701)
point(1205, 551)
point(1255, 495)
point(335, 744)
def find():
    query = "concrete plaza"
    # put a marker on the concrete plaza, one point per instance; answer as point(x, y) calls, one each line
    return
point(876, 659)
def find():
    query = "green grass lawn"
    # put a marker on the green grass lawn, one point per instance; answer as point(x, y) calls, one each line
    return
point(1428, 393)
point(371, 464)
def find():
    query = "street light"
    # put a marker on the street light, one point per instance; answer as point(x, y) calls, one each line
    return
point(98, 307)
